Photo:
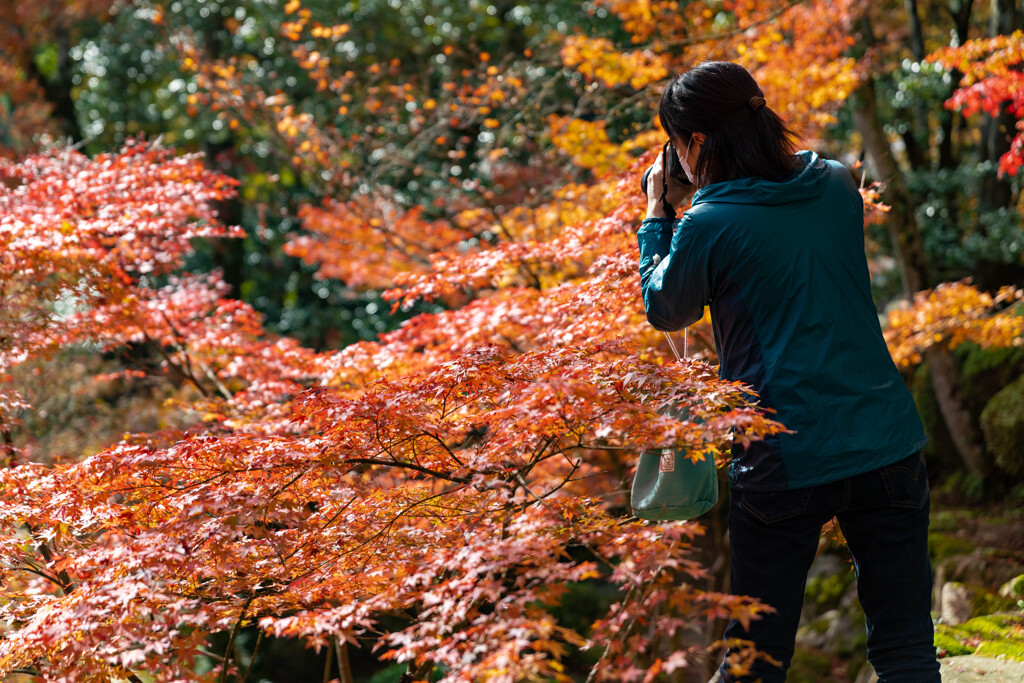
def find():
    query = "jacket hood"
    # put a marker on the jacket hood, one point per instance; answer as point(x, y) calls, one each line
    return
point(806, 183)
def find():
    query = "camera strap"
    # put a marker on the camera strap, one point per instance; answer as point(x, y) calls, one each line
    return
point(670, 212)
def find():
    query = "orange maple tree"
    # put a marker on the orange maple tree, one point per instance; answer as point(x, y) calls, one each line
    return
point(951, 314)
point(311, 498)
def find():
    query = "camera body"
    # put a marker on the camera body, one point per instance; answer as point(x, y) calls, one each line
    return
point(673, 167)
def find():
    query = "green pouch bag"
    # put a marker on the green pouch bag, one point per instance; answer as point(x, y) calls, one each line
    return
point(668, 486)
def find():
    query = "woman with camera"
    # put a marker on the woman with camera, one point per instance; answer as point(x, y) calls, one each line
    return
point(773, 242)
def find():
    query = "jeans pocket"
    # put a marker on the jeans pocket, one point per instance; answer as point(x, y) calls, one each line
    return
point(906, 482)
point(774, 506)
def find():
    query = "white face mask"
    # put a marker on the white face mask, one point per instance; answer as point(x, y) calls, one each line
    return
point(686, 166)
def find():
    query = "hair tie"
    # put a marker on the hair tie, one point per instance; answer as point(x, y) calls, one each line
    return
point(756, 102)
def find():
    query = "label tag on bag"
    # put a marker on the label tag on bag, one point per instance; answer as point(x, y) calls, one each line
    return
point(668, 460)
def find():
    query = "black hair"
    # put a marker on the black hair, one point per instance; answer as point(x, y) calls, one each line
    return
point(743, 136)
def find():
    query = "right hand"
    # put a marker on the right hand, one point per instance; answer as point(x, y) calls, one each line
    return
point(676, 190)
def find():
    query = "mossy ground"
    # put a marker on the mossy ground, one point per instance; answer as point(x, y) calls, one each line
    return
point(995, 635)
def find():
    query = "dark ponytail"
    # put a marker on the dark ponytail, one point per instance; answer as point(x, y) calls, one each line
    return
point(744, 137)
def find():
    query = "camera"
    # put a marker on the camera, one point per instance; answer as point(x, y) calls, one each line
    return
point(672, 166)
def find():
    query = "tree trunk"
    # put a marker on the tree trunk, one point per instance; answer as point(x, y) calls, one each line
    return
point(57, 89)
point(998, 131)
point(996, 193)
point(901, 222)
point(905, 234)
point(996, 135)
point(946, 382)
point(916, 35)
point(1005, 17)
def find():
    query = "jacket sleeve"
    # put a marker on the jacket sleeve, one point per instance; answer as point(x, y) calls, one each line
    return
point(674, 272)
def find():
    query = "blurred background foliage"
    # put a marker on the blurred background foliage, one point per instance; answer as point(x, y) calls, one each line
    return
point(101, 71)
point(120, 74)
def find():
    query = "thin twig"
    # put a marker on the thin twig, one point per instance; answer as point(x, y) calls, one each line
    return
point(526, 487)
point(186, 371)
point(8, 443)
point(210, 374)
point(437, 438)
point(234, 634)
point(723, 35)
point(252, 657)
point(66, 584)
point(327, 665)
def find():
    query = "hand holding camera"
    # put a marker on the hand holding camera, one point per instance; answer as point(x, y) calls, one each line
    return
point(665, 190)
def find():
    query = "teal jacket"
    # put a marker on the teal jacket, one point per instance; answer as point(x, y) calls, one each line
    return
point(782, 266)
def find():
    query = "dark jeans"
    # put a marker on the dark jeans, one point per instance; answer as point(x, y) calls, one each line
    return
point(884, 516)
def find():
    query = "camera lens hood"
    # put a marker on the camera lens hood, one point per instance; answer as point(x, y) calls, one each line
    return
point(643, 180)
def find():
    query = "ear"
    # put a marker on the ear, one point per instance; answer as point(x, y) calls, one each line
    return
point(699, 138)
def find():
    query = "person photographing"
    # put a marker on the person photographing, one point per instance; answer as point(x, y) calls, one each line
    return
point(773, 243)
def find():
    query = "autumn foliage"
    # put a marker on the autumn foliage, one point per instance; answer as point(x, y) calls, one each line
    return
point(311, 499)
point(437, 493)
point(952, 314)
point(991, 80)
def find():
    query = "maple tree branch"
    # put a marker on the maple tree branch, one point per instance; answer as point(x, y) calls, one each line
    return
point(64, 580)
point(526, 487)
point(418, 675)
point(284, 558)
point(392, 238)
point(443, 411)
point(724, 35)
point(439, 440)
point(327, 665)
point(547, 494)
point(409, 466)
point(211, 655)
point(288, 484)
point(373, 537)
point(337, 514)
point(234, 634)
point(205, 368)
point(387, 527)
point(186, 371)
point(607, 648)
point(32, 569)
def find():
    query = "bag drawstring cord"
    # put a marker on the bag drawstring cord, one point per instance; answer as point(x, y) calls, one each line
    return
point(672, 344)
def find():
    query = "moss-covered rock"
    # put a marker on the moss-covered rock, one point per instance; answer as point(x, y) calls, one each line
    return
point(942, 546)
point(827, 590)
point(986, 371)
point(986, 568)
point(948, 646)
point(809, 666)
point(1002, 423)
point(1014, 588)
